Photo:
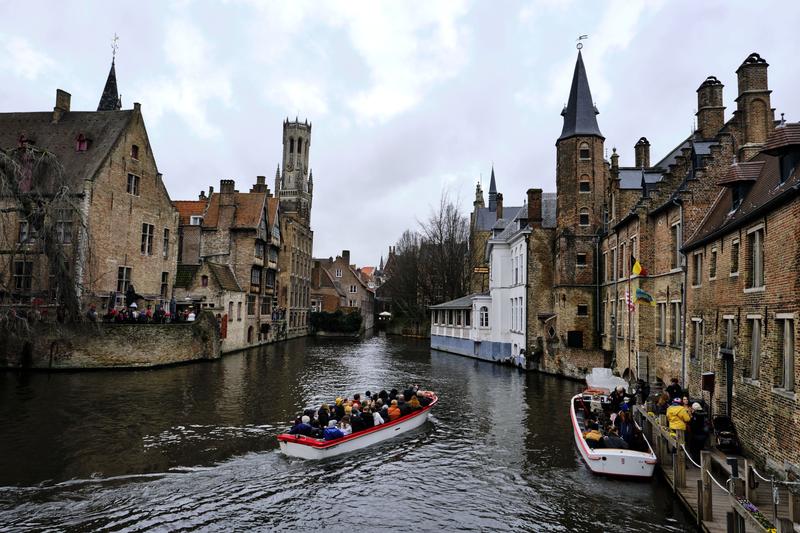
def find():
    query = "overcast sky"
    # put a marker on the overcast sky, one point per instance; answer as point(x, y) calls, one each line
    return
point(407, 98)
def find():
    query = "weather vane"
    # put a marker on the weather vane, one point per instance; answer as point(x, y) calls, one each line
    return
point(114, 46)
point(580, 38)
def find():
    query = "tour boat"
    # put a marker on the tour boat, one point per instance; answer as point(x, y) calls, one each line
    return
point(311, 448)
point(616, 462)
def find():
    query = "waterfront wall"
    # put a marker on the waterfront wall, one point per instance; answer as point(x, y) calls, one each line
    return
point(98, 345)
point(487, 350)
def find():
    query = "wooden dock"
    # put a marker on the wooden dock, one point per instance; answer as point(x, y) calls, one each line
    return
point(711, 493)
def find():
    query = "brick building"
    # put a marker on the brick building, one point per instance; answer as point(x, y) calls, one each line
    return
point(326, 295)
point(121, 228)
point(347, 280)
point(294, 187)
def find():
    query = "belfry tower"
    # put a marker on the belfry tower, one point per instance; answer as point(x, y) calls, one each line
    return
point(294, 186)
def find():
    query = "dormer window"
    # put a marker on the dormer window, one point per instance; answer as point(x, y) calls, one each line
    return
point(195, 220)
point(134, 152)
point(81, 143)
point(583, 152)
point(736, 197)
point(788, 162)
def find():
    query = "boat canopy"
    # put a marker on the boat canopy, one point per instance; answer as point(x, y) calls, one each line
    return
point(602, 378)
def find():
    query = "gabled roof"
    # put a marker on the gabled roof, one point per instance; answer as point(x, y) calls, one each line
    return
point(485, 218)
point(224, 277)
point(189, 208)
point(272, 210)
point(580, 115)
point(102, 129)
point(465, 302)
point(247, 215)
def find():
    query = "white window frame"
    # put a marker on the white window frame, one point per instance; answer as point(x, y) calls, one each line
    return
point(484, 316)
point(338, 272)
point(786, 352)
point(756, 260)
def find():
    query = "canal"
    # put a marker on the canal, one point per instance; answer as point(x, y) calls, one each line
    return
point(193, 447)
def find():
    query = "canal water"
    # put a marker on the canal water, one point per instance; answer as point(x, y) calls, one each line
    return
point(193, 448)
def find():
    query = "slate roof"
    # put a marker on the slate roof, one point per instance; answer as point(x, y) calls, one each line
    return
point(109, 100)
point(760, 197)
point(224, 277)
point(465, 302)
point(247, 214)
point(189, 208)
point(631, 178)
point(103, 129)
point(485, 218)
point(580, 115)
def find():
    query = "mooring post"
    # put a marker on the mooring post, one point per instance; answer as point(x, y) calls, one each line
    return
point(700, 497)
point(708, 489)
point(680, 456)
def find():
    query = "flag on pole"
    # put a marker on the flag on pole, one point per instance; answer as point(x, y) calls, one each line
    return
point(637, 268)
point(629, 301)
point(643, 297)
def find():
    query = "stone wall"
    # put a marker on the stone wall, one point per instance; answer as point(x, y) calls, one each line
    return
point(99, 345)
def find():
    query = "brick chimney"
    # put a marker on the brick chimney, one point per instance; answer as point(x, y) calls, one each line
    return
point(202, 196)
point(260, 185)
point(754, 113)
point(63, 99)
point(227, 203)
point(642, 151)
point(346, 257)
point(499, 203)
point(535, 208)
point(710, 111)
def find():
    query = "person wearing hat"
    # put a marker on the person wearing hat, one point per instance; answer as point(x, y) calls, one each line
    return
point(678, 415)
point(332, 432)
point(698, 431)
point(393, 411)
point(302, 427)
point(338, 409)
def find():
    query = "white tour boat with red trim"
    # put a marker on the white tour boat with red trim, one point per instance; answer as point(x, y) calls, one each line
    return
point(311, 448)
point(618, 462)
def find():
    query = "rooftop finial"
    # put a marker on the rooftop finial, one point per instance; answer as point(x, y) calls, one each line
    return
point(581, 38)
point(114, 47)
point(783, 122)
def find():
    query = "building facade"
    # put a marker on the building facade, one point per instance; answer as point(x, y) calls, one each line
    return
point(349, 287)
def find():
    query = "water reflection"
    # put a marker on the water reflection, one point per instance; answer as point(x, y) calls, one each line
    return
point(193, 447)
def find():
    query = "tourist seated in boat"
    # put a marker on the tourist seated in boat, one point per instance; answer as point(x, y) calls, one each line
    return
point(393, 411)
point(367, 421)
point(414, 403)
point(403, 405)
point(678, 415)
point(383, 396)
point(356, 423)
point(356, 400)
point(613, 440)
point(424, 398)
point(323, 415)
point(625, 426)
point(393, 394)
point(332, 432)
point(338, 409)
point(302, 426)
point(344, 425)
point(593, 437)
point(377, 419)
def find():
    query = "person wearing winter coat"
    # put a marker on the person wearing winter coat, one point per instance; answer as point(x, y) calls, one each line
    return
point(332, 432)
point(698, 431)
point(338, 409)
point(367, 419)
point(302, 427)
point(403, 405)
point(344, 425)
point(323, 415)
point(414, 403)
point(355, 420)
point(377, 419)
point(393, 411)
point(678, 416)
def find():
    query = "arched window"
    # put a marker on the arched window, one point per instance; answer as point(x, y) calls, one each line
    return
point(484, 313)
point(291, 145)
point(299, 146)
point(584, 217)
point(584, 152)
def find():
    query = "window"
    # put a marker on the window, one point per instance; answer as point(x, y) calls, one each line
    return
point(712, 264)
point(123, 278)
point(584, 217)
point(23, 276)
point(255, 279)
point(164, 285)
point(729, 332)
point(676, 324)
point(204, 281)
point(291, 145)
point(338, 272)
point(575, 339)
point(251, 304)
point(299, 146)
point(788, 162)
point(27, 233)
point(133, 184)
point(468, 317)
point(735, 257)
point(736, 197)
point(584, 152)
point(662, 323)
point(755, 346)
point(613, 264)
point(584, 186)
point(603, 306)
point(484, 317)
point(63, 226)
point(583, 310)
point(785, 368)
point(675, 246)
point(147, 239)
point(134, 152)
point(238, 310)
point(259, 250)
point(166, 243)
point(353, 289)
point(81, 143)
point(581, 260)
point(449, 317)
point(270, 279)
point(620, 317)
point(697, 272)
point(755, 259)
point(458, 318)
point(195, 220)
point(230, 311)
point(697, 335)
point(623, 271)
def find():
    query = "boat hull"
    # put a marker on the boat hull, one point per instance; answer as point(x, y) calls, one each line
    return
point(308, 448)
point(613, 462)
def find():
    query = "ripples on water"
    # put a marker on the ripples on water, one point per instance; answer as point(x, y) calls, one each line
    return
point(193, 447)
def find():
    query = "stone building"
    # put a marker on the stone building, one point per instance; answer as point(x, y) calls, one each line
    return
point(326, 295)
point(347, 280)
point(294, 187)
point(121, 227)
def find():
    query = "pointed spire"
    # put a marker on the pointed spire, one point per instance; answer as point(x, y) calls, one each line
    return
point(492, 193)
point(580, 113)
point(478, 196)
point(277, 180)
point(381, 264)
point(110, 100)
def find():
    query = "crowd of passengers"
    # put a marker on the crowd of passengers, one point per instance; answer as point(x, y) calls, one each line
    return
point(351, 415)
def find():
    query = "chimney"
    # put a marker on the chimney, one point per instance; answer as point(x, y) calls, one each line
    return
point(63, 99)
point(202, 195)
point(260, 185)
point(226, 190)
point(710, 111)
point(642, 151)
point(499, 203)
point(755, 115)
point(535, 208)
point(346, 257)
point(614, 161)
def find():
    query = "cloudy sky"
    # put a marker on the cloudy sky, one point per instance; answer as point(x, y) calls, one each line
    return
point(407, 99)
